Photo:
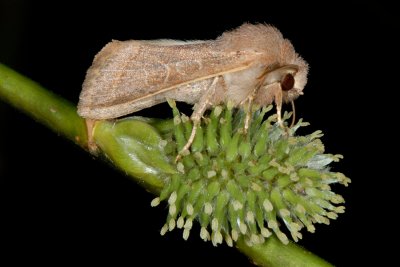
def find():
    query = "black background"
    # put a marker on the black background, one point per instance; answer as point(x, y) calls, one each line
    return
point(60, 205)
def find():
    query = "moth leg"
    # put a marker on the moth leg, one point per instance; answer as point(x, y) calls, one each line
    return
point(249, 107)
point(248, 114)
point(278, 103)
point(93, 149)
point(200, 108)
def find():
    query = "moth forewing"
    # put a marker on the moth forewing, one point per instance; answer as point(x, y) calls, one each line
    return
point(129, 76)
point(251, 64)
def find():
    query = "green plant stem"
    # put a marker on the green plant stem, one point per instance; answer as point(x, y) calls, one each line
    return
point(44, 106)
point(274, 253)
point(60, 116)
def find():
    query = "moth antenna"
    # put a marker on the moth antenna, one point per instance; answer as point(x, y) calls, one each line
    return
point(293, 115)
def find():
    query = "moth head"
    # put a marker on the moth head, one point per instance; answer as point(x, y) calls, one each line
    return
point(291, 79)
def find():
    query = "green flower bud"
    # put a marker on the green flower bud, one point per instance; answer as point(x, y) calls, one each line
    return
point(135, 147)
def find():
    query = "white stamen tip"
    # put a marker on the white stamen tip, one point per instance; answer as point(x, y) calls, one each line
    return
point(325, 187)
point(164, 229)
point(189, 223)
point(251, 164)
point(177, 120)
point(254, 239)
point(339, 209)
point(248, 242)
point(171, 225)
point(172, 209)
point(284, 212)
point(214, 224)
point(163, 143)
point(216, 238)
point(217, 110)
point(184, 118)
point(296, 236)
point(208, 208)
point(321, 219)
point(189, 209)
point(186, 233)
point(235, 235)
point(294, 227)
point(180, 222)
point(172, 198)
point(219, 237)
point(272, 224)
point(237, 205)
point(256, 187)
point(337, 199)
point(228, 240)
point(180, 167)
point(243, 228)
point(311, 228)
point(283, 238)
point(267, 205)
point(211, 174)
point(265, 232)
point(155, 202)
point(204, 234)
point(318, 218)
point(224, 173)
point(294, 177)
point(332, 215)
point(250, 217)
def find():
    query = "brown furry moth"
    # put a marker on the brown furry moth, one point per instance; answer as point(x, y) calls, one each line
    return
point(251, 65)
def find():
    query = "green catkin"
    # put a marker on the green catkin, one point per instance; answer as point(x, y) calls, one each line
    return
point(251, 185)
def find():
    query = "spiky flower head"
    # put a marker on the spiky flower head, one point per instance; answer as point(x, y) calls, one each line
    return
point(248, 185)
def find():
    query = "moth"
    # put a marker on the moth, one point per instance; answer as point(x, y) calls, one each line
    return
point(250, 65)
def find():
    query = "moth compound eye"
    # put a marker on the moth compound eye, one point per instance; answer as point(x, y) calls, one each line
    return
point(287, 82)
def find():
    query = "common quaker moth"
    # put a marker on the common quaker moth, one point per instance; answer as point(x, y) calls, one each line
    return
point(251, 65)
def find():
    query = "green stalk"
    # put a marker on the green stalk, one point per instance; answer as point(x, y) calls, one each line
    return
point(61, 117)
point(42, 105)
point(274, 253)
